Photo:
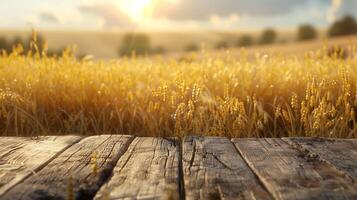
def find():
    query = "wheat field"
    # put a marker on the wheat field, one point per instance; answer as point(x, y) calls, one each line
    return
point(270, 96)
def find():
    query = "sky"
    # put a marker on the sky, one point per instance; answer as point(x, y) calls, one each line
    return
point(171, 14)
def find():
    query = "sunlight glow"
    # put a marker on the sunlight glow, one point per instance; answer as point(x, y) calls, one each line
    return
point(136, 8)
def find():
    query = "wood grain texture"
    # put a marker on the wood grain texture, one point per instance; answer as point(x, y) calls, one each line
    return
point(77, 173)
point(342, 153)
point(292, 174)
point(22, 157)
point(148, 170)
point(213, 169)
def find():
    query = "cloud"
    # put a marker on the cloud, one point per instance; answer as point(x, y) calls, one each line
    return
point(348, 7)
point(204, 9)
point(112, 16)
point(48, 17)
point(31, 20)
point(340, 8)
point(332, 11)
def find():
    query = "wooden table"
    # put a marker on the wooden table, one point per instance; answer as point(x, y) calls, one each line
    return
point(127, 167)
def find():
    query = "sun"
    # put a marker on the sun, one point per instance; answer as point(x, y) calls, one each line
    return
point(136, 8)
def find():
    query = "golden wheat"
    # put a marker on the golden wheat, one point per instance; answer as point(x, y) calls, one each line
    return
point(269, 96)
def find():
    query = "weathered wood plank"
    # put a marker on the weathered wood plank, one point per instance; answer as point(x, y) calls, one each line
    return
point(291, 174)
point(76, 173)
point(148, 170)
point(22, 157)
point(213, 169)
point(342, 153)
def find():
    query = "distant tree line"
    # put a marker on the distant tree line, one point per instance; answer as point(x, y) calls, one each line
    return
point(345, 26)
point(138, 44)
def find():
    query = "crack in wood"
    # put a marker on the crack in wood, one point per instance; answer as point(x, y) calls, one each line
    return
point(289, 172)
point(32, 150)
point(148, 170)
point(181, 178)
point(217, 171)
point(193, 154)
point(311, 156)
point(261, 183)
point(89, 191)
point(52, 180)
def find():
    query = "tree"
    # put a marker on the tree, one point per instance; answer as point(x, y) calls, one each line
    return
point(138, 43)
point(268, 36)
point(222, 45)
point(344, 26)
point(306, 32)
point(4, 45)
point(191, 47)
point(158, 50)
point(244, 41)
point(18, 40)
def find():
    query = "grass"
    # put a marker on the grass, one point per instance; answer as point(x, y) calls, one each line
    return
point(269, 96)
